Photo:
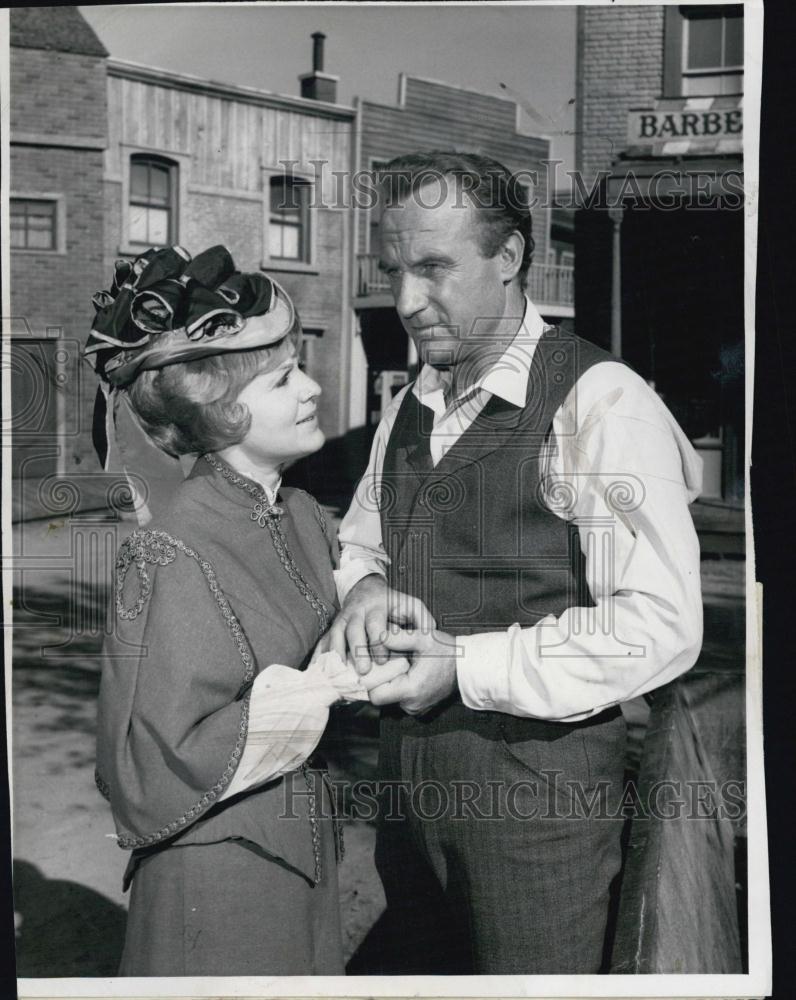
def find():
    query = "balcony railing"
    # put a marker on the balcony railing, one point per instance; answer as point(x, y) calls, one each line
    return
point(548, 284)
point(552, 285)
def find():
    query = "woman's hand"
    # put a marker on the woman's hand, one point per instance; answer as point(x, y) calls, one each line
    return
point(342, 675)
point(323, 646)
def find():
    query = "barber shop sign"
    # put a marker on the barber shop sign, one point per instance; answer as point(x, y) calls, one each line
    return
point(696, 121)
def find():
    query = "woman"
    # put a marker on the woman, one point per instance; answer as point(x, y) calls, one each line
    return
point(206, 717)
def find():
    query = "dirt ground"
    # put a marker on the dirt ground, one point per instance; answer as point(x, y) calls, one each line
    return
point(70, 910)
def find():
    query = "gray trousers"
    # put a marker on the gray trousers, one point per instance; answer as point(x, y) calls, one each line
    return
point(498, 840)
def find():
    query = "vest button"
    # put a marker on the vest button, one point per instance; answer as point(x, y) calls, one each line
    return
point(402, 567)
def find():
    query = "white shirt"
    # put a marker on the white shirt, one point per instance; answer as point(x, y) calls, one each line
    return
point(642, 558)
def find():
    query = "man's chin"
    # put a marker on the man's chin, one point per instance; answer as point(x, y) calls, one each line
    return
point(441, 357)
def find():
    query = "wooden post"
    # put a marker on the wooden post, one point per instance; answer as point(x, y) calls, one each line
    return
point(616, 214)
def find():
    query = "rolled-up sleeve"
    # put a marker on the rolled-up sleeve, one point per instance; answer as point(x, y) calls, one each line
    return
point(361, 546)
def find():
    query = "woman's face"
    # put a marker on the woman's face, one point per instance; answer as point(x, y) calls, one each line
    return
point(284, 422)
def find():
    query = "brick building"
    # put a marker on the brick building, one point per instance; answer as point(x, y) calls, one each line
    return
point(660, 222)
point(58, 135)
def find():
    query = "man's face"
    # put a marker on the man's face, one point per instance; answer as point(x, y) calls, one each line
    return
point(449, 296)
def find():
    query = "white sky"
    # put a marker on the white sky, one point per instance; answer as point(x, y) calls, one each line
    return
point(530, 48)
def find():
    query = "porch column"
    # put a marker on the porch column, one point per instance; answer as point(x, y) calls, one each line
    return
point(615, 214)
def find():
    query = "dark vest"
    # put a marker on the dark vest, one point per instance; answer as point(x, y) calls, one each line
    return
point(472, 538)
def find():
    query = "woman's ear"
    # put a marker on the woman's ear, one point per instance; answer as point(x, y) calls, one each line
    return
point(511, 257)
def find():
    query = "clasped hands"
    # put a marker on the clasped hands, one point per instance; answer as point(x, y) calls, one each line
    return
point(395, 646)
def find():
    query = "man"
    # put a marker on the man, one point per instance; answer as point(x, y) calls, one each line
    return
point(529, 493)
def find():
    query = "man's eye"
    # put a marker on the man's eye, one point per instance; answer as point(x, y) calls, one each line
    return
point(285, 377)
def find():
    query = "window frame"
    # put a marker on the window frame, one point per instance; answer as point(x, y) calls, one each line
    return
point(675, 71)
point(308, 264)
point(171, 169)
point(180, 164)
point(58, 200)
point(733, 72)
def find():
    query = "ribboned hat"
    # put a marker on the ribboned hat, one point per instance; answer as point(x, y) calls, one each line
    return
point(165, 307)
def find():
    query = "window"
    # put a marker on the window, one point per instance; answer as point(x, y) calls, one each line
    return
point(34, 224)
point(703, 51)
point(712, 50)
point(152, 218)
point(288, 219)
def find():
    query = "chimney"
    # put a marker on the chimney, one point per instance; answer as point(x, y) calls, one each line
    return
point(317, 85)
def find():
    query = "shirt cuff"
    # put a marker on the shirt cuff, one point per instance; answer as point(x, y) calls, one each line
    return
point(496, 672)
point(482, 670)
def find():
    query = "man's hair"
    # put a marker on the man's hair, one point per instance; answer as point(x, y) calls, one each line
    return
point(191, 407)
point(497, 195)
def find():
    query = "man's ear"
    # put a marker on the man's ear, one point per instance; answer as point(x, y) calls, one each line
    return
point(511, 257)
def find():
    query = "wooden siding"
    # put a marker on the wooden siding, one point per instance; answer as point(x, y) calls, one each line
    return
point(436, 116)
point(229, 141)
point(430, 98)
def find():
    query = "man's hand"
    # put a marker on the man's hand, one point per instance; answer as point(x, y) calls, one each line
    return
point(360, 628)
point(432, 674)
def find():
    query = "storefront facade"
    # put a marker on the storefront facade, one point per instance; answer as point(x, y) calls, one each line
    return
point(660, 222)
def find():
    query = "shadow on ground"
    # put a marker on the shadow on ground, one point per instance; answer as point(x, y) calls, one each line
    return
point(86, 928)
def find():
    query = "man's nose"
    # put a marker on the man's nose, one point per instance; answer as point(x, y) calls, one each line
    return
point(410, 297)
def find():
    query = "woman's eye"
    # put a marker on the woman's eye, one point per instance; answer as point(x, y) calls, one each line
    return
point(285, 377)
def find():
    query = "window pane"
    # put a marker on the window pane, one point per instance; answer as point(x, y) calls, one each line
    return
point(733, 41)
point(139, 180)
point(158, 226)
point(40, 221)
point(290, 242)
point(286, 198)
point(41, 210)
point(274, 240)
point(138, 224)
point(40, 239)
point(704, 42)
point(703, 86)
point(284, 241)
point(159, 185)
point(32, 224)
point(277, 195)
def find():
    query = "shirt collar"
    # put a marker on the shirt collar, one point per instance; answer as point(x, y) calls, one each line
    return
point(508, 377)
